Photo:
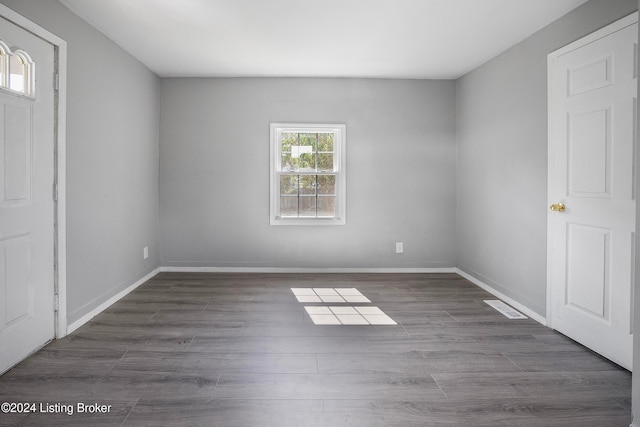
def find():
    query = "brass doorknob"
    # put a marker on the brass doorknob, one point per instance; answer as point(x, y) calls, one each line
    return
point(557, 207)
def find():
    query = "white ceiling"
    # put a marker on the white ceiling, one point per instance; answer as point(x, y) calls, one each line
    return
point(318, 38)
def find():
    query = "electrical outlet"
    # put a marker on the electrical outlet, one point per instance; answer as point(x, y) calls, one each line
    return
point(145, 252)
point(399, 247)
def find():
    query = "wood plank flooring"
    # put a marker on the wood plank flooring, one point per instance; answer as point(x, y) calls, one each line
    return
point(239, 350)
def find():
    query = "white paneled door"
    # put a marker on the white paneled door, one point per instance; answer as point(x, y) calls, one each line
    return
point(591, 189)
point(26, 193)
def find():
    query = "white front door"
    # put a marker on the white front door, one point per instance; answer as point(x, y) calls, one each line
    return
point(26, 193)
point(592, 224)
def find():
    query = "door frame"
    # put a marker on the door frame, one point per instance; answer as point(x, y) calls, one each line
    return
point(551, 59)
point(60, 135)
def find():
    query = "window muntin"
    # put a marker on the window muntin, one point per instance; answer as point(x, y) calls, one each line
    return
point(307, 174)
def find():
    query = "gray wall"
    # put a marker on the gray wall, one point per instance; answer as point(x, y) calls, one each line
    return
point(112, 159)
point(214, 172)
point(502, 157)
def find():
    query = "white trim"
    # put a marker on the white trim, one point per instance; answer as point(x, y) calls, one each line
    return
point(61, 177)
point(108, 303)
point(339, 171)
point(551, 59)
point(29, 72)
point(105, 305)
point(87, 317)
point(550, 184)
point(597, 35)
point(61, 214)
point(302, 270)
point(532, 314)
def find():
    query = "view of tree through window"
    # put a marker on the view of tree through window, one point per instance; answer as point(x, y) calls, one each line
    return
point(307, 183)
point(307, 178)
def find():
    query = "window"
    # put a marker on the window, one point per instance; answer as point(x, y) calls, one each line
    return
point(16, 71)
point(308, 174)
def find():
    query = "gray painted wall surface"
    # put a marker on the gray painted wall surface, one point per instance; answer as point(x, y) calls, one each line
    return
point(112, 159)
point(214, 172)
point(502, 157)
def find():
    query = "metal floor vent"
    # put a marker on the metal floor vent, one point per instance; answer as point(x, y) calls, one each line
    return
point(503, 308)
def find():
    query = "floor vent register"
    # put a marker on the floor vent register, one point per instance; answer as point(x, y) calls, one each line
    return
point(503, 308)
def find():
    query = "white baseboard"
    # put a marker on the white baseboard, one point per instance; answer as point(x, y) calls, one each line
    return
point(93, 313)
point(84, 319)
point(108, 303)
point(303, 270)
point(532, 314)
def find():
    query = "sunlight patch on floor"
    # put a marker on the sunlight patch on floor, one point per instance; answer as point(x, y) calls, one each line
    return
point(340, 315)
point(335, 295)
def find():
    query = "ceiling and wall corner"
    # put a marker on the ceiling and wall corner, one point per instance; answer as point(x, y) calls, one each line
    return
point(416, 39)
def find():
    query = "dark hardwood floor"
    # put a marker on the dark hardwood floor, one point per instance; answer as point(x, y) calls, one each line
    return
point(239, 350)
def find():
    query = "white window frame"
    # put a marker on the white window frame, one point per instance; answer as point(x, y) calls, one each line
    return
point(339, 130)
point(29, 71)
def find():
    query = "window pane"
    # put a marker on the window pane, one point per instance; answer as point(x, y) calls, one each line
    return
point(326, 184)
point(289, 184)
point(287, 141)
point(308, 140)
point(325, 142)
point(3, 57)
point(307, 206)
point(308, 184)
point(289, 163)
point(17, 71)
point(289, 206)
point(325, 162)
point(327, 206)
point(308, 162)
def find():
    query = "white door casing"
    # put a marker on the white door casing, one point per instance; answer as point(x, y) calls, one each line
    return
point(28, 142)
point(592, 120)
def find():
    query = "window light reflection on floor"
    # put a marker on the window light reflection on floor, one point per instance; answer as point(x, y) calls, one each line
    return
point(339, 295)
point(340, 315)
point(346, 315)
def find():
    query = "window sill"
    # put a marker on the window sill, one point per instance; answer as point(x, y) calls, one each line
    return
point(307, 221)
